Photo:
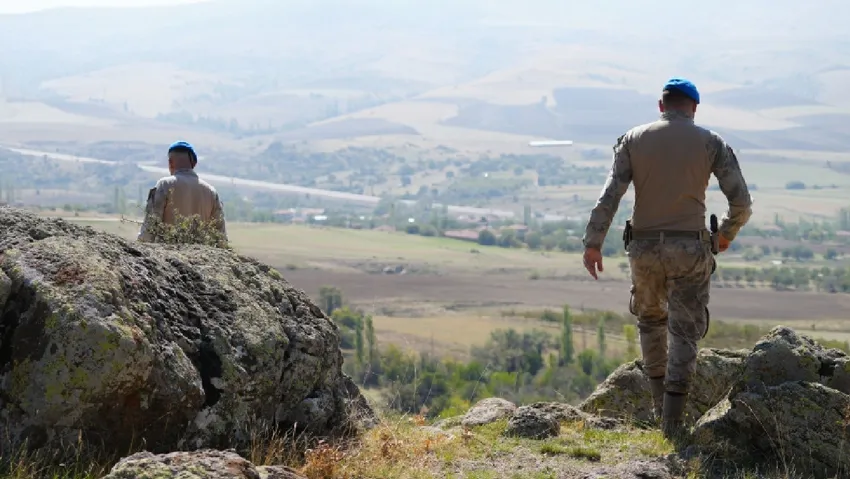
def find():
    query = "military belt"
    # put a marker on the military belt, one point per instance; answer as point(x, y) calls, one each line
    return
point(660, 235)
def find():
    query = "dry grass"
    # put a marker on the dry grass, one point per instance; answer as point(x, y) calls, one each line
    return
point(74, 461)
point(403, 447)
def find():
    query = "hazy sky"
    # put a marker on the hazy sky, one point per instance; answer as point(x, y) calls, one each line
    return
point(24, 6)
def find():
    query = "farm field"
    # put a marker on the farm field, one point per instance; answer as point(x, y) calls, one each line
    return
point(451, 297)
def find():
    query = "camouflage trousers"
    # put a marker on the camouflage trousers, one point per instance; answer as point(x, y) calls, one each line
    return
point(670, 293)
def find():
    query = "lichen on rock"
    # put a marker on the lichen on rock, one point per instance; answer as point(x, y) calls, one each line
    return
point(170, 345)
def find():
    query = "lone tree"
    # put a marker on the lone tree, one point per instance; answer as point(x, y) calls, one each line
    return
point(630, 331)
point(600, 334)
point(567, 350)
point(330, 299)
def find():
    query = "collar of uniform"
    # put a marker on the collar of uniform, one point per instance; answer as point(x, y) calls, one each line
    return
point(676, 115)
point(186, 171)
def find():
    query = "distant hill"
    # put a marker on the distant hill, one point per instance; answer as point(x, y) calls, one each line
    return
point(470, 74)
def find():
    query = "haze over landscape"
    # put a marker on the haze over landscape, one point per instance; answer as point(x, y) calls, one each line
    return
point(376, 153)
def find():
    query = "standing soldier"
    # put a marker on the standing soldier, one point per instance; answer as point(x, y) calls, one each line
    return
point(183, 195)
point(670, 162)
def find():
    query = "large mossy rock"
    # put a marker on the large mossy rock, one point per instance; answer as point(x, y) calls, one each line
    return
point(789, 405)
point(170, 346)
point(625, 393)
point(801, 425)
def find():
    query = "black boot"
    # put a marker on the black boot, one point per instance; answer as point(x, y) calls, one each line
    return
point(656, 385)
point(674, 411)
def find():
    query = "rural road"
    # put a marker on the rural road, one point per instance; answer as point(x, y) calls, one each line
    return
point(265, 185)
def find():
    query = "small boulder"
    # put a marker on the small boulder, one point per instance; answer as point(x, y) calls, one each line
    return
point(532, 423)
point(563, 412)
point(488, 411)
point(802, 423)
point(625, 393)
point(202, 464)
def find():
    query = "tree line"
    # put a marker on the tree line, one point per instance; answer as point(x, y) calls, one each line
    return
point(523, 367)
point(785, 278)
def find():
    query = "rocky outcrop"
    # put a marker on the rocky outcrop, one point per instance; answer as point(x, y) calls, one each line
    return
point(787, 401)
point(173, 346)
point(791, 403)
point(204, 464)
point(625, 394)
point(802, 424)
point(487, 411)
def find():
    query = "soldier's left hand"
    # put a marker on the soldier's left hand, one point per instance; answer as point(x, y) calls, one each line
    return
point(723, 243)
point(593, 261)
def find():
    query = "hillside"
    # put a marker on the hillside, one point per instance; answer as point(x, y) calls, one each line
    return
point(466, 75)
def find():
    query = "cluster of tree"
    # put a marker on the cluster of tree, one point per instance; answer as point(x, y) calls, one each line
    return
point(824, 279)
point(519, 366)
point(550, 170)
point(804, 230)
point(720, 334)
point(799, 185)
point(20, 172)
point(362, 167)
point(478, 190)
point(561, 236)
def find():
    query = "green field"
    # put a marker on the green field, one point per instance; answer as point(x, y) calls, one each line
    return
point(323, 247)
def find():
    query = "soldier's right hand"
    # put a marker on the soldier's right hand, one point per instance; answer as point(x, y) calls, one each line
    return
point(722, 243)
point(593, 261)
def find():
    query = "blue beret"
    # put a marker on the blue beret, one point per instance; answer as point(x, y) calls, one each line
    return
point(184, 146)
point(683, 86)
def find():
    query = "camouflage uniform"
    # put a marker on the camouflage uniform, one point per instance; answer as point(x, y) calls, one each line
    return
point(670, 162)
point(182, 194)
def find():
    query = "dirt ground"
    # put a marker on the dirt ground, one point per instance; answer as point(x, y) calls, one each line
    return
point(514, 291)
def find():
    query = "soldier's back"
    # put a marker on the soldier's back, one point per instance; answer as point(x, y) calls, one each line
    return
point(671, 161)
point(188, 195)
